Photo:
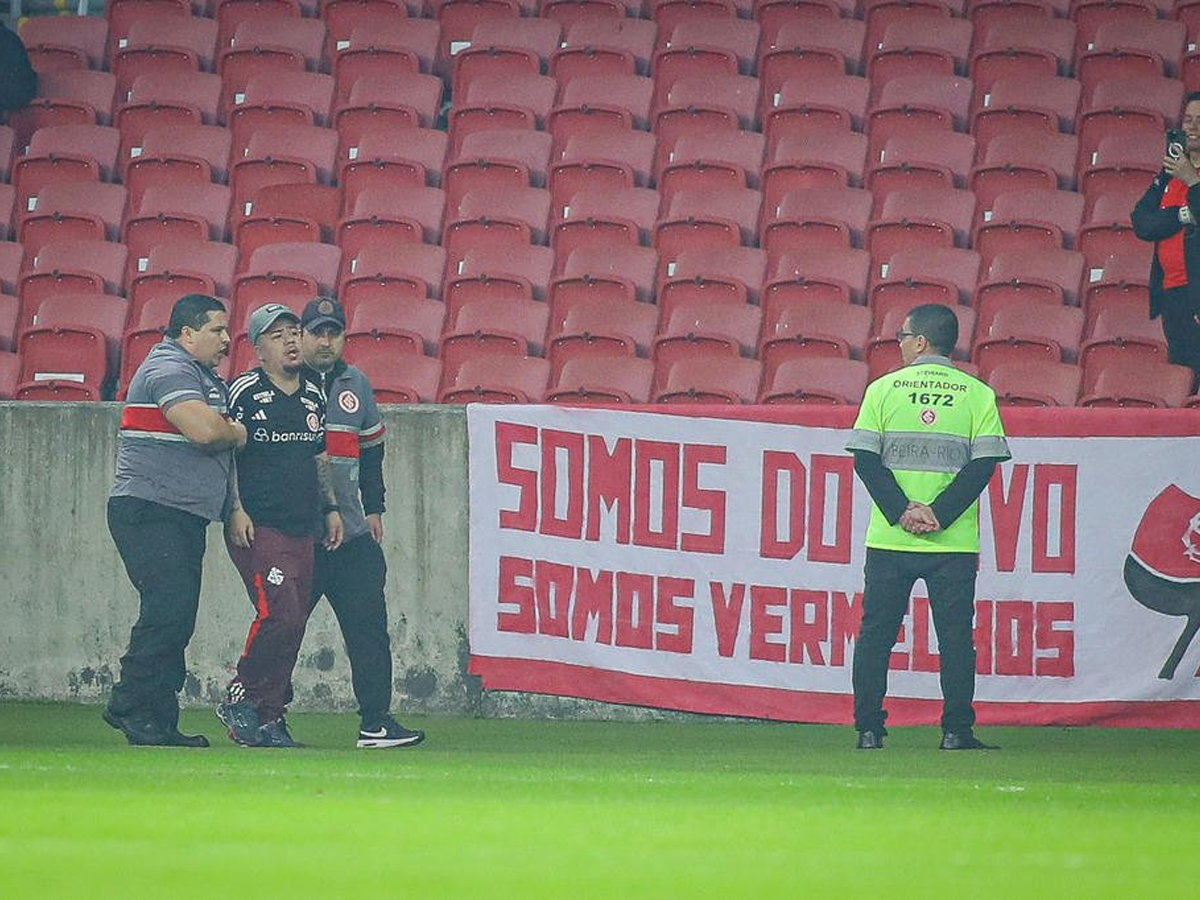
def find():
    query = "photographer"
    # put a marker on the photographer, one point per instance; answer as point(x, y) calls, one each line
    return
point(1166, 215)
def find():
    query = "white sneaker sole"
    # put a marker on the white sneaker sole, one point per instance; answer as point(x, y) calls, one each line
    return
point(385, 743)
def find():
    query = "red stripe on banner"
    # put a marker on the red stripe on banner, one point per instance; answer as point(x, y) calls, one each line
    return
point(341, 443)
point(1018, 421)
point(146, 418)
point(561, 679)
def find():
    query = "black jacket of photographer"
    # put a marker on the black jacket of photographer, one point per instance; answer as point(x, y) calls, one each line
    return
point(1152, 222)
point(18, 80)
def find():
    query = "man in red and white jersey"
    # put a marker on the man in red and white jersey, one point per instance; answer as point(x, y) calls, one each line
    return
point(174, 465)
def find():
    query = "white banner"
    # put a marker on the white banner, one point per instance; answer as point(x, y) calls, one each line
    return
point(691, 561)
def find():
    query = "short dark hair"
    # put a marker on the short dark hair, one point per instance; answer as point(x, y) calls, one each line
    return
point(191, 311)
point(937, 323)
point(1191, 98)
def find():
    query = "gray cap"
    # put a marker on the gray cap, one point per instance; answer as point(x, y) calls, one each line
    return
point(264, 317)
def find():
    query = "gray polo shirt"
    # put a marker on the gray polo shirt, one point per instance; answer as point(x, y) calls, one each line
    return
point(155, 461)
point(352, 424)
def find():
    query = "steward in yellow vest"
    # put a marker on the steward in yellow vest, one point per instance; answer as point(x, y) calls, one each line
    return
point(926, 442)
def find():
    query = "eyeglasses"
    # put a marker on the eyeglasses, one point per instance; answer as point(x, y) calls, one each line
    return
point(902, 334)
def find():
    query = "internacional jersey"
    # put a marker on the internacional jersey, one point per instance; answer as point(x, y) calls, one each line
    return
point(277, 469)
point(926, 421)
point(154, 461)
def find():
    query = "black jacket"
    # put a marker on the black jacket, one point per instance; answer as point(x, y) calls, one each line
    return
point(18, 81)
point(1152, 223)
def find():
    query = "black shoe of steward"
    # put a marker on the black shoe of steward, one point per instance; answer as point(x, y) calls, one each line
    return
point(963, 740)
point(144, 731)
point(275, 734)
point(139, 729)
point(387, 732)
point(241, 718)
point(870, 740)
point(176, 738)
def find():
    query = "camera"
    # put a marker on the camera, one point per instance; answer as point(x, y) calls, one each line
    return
point(1176, 143)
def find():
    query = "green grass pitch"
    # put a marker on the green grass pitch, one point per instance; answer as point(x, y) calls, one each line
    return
point(531, 809)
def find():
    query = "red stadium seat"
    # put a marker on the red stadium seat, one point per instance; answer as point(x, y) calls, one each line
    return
point(820, 380)
point(414, 264)
point(639, 265)
point(835, 217)
point(814, 329)
point(1038, 332)
point(602, 379)
point(400, 378)
point(212, 258)
point(375, 316)
point(75, 337)
point(818, 274)
point(55, 42)
point(1036, 383)
point(107, 259)
point(710, 380)
point(1139, 383)
point(495, 378)
point(1033, 218)
point(830, 102)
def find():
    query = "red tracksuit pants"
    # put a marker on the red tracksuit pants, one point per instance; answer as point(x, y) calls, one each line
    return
point(278, 571)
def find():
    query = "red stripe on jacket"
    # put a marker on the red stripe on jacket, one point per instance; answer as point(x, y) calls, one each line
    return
point(341, 443)
point(1170, 250)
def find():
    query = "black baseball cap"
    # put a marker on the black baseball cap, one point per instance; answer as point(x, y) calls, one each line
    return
point(323, 311)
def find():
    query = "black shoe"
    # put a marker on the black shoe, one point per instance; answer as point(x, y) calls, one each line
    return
point(275, 734)
point(870, 740)
point(143, 731)
point(387, 732)
point(175, 738)
point(139, 729)
point(963, 740)
point(241, 718)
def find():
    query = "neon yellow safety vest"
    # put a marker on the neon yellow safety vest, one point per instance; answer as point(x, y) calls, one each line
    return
point(926, 421)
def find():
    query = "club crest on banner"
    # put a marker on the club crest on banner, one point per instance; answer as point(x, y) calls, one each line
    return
point(1162, 571)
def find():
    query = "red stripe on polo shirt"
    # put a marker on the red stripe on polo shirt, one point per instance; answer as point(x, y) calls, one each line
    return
point(146, 418)
point(1170, 250)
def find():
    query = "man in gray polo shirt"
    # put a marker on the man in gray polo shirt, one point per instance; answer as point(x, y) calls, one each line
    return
point(174, 461)
point(353, 575)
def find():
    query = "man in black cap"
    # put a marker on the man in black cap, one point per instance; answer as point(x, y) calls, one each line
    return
point(352, 576)
point(285, 500)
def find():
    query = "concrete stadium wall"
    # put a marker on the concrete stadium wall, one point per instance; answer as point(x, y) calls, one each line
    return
point(66, 605)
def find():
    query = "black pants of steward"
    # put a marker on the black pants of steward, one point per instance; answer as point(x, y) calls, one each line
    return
point(163, 552)
point(352, 578)
point(950, 581)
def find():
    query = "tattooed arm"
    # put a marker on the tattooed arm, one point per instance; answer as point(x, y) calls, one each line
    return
point(334, 528)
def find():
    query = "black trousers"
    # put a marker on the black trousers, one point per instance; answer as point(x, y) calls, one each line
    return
point(950, 581)
point(1180, 329)
point(352, 577)
point(163, 552)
